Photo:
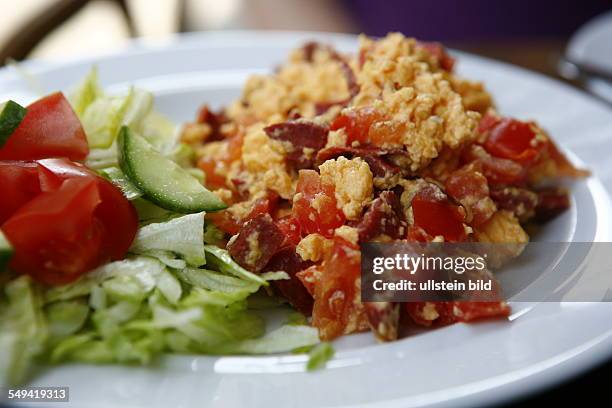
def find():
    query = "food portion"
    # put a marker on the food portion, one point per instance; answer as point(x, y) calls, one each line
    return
point(383, 145)
point(122, 239)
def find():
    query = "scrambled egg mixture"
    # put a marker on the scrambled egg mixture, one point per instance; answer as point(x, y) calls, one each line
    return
point(387, 144)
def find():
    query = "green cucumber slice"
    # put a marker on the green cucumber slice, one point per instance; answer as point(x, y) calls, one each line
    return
point(11, 115)
point(6, 252)
point(116, 176)
point(161, 180)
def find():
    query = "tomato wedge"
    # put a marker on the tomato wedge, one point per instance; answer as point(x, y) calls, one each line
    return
point(71, 221)
point(18, 185)
point(50, 128)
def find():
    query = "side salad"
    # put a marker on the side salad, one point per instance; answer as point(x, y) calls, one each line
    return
point(105, 255)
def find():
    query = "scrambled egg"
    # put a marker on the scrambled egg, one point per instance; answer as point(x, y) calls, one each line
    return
point(353, 183)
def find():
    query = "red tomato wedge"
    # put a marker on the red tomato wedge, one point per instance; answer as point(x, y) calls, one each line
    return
point(49, 129)
point(74, 222)
point(18, 185)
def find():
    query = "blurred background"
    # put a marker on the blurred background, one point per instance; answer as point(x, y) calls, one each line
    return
point(531, 33)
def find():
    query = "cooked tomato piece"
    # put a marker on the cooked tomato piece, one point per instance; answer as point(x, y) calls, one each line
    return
point(214, 180)
point(356, 123)
point(437, 215)
point(50, 128)
point(469, 186)
point(234, 148)
point(498, 171)
point(264, 205)
point(315, 206)
point(335, 293)
point(386, 133)
point(514, 140)
point(225, 221)
point(77, 221)
point(310, 277)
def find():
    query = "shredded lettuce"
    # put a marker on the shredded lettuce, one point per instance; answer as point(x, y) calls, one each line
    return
point(319, 356)
point(216, 281)
point(287, 337)
point(182, 235)
point(86, 93)
point(23, 332)
point(66, 317)
point(221, 259)
point(103, 117)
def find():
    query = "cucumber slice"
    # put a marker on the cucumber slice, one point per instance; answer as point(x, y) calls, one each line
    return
point(6, 252)
point(116, 176)
point(161, 180)
point(11, 115)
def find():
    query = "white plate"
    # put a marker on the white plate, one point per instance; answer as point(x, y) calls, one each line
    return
point(457, 365)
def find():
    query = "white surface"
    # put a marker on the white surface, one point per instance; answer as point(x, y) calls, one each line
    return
point(457, 365)
point(592, 45)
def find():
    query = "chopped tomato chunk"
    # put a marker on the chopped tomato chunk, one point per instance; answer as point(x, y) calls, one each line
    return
point(315, 205)
point(386, 133)
point(469, 186)
point(498, 171)
point(214, 180)
point(234, 148)
point(50, 128)
point(435, 214)
point(357, 123)
point(310, 277)
point(514, 140)
point(336, 310)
